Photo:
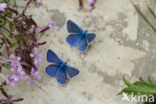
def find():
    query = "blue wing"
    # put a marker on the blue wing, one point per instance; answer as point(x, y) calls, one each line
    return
point(53, 58)
point(90, 37)
point(62, 77)
point(71, 71)
point(72, 27)
point(73, 39)
point(83, 44)
point(52, 70)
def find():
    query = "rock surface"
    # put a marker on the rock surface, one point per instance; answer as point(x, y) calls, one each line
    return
point(125, 45)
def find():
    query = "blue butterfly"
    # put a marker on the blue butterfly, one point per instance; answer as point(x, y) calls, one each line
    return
point(59, 69)
point(78, 37)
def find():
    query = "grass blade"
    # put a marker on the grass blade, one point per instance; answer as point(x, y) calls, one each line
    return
point(152, 12)
point(144, 17)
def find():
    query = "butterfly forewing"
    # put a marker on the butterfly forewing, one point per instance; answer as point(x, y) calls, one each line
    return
point(72, 27)
point(53, 58)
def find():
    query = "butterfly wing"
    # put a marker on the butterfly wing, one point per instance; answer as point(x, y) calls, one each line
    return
point(52, 70)
point(73, 39)
point(90, 37)
point(72, 27)
point(71, 71)
point(83, 44)
point(62, 77)
point(53, 58)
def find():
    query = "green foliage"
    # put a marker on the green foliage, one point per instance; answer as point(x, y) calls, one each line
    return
point(4, 1)
point(11, 26)
point(139, 87)
point(13, 45)
point(19, 37)
point(9, 14)
point(2, 20)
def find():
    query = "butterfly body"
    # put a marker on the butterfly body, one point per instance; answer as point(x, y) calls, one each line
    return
point(59, 68)
point(83, 35)
point(78, 37)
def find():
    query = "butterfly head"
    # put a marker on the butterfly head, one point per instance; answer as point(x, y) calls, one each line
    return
point(84, 32)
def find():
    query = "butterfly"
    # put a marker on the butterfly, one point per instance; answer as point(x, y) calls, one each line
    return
point(59, 69)
point(78, 37)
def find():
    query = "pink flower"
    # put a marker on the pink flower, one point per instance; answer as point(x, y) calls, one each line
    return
point(10, 81)
point(36, 29)
point(17, 70)
point(10, 98)
point(17, 75)
point(52, 25)
point(91, 2)
point(34, 75)
point(2, 6)
point(91, 8)
point(37, 56)
point(38, 4)
point(15, 62)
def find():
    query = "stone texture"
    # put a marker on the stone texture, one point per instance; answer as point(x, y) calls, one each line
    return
point(125, 45)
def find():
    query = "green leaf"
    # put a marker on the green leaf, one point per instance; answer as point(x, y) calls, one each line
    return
point(4, 1)
point(149, 80)
point(9, 14)
point(11, 26)
point(139, 87)
point(2, 20)
point(126, 81)
point(20, 38)
point(10, 36)
point(13, 45)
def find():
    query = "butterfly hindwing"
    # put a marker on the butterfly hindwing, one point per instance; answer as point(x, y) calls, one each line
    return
point(83, 44)
point(72, 27)
point(53, 58)
point(72, 39)
point(52, 70)
point(90, 37)
point(71, 71)
point(62, 77)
